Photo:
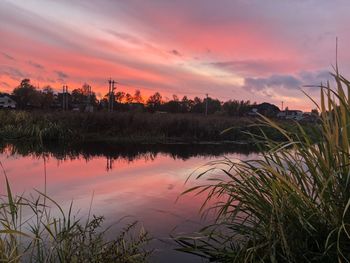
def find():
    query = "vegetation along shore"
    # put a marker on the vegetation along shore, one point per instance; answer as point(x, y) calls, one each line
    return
point(131, 127)
point(78, 116)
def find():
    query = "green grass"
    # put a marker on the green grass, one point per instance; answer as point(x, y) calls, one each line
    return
point(43, 237)
point(289, 205)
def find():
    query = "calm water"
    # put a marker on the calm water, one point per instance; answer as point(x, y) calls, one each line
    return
point(140, 182)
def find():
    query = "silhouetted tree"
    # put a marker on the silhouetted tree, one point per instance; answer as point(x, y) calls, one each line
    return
point(47, 97)
point(236, 108)
point(198, 106)
point(26, 95)
point(119, 96)
point(82, 96)
point(186, 104)
point(78, 96)
point(137, 97)
point(128, 98)
point(214, 105)
point(154, 102)
point(172, 106)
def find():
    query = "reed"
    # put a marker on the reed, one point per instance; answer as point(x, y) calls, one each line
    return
point(43, 237)
point(291, 204)
point(129, 127)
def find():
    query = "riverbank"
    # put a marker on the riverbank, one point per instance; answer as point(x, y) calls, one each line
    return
point(131, 127)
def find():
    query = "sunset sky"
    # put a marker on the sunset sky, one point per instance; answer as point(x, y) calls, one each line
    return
point(253, 50)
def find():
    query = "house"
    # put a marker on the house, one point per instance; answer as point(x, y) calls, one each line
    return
point(310, 117)
point(6, 102)
point(291, 115)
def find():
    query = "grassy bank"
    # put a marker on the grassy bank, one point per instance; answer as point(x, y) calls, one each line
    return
point(130, 127)
point(291, 204)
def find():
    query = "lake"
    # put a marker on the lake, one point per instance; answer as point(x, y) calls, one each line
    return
point(126, 183)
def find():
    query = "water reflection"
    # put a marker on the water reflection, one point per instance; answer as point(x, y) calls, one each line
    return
point(128, 152)
point(142, 182)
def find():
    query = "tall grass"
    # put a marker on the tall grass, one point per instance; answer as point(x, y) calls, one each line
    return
point(125, 127)
point(17, 125)
point(289, 205)
point(44, 237)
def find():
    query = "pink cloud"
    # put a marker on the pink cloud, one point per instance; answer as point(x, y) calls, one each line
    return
point(166, 46)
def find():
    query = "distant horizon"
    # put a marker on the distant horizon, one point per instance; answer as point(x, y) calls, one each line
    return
point(262, 51)
point(165, 99)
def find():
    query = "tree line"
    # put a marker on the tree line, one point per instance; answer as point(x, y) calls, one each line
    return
point(27, 96)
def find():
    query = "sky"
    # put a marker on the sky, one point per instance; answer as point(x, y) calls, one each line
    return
point(262, 51)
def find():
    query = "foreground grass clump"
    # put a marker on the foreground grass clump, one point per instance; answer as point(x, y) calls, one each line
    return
point(43, 237)
point(289, 205)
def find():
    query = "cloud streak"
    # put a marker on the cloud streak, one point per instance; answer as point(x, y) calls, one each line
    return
point(61, 74)
point(7, 56)
point(35, 65)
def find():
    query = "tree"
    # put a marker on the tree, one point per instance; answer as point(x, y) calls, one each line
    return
point(198, 106)
point(47, 97)
point(89, 94)
point(86, 88)
point(154, 102)
point(214, 105)
point(236, 108)
point(128, 98)
point(186, 104)
point(84, 95)
point(119, 96)
point(78, 96)
point(137, 97)
point(231, 107)
point(26, 95)
point(172, 106)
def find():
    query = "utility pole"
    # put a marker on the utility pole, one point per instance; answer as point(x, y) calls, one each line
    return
point(113, 82)
point(65, 98)
point(109, 163)
point(67, 105)
point(111, 89)
point(109, 94)
point(206, 105)
point(282, 105)
point(88, 99)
